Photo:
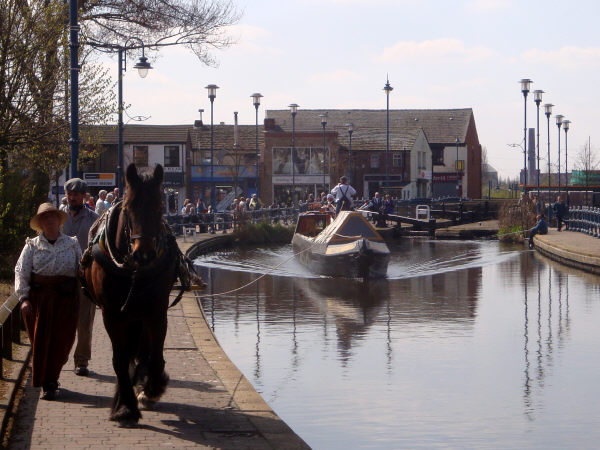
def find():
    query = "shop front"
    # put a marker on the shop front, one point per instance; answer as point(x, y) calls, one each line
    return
point(225, 180)
point(309, 166)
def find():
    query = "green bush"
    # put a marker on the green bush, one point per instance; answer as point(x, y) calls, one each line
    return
point(20, 195)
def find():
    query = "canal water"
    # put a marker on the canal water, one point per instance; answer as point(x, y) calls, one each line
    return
point(464, 345)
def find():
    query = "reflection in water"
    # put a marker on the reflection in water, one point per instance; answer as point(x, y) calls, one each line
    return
point(467, 344)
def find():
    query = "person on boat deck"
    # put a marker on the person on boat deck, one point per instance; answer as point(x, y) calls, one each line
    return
point(343, 193)
point(540, 228)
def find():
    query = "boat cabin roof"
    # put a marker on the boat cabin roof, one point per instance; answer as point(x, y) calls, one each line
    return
point(347, 226)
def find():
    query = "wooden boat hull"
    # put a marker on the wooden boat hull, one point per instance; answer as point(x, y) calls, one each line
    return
point(360, 258)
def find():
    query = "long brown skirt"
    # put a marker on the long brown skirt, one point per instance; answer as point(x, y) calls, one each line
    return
point(51, 325)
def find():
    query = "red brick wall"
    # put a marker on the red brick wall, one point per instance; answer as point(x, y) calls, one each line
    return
point(474, 161)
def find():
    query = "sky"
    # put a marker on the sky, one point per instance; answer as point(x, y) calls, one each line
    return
point(437, 54)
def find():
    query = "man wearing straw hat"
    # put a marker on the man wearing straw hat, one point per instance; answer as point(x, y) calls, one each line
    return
point(46, 284)
point(79, 221)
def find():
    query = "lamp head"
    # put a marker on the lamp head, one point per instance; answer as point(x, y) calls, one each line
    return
point(525, 85)
point(323, 118)
point(559, 119)
point(350, 127)
point(293, 108)
point(565, 125)
point(143, 66)
point(548, 109)
point(256, 99)
point(387, 88)
point(212, 91)
point(537, 96)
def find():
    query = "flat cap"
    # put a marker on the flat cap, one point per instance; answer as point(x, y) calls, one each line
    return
point(76, 185)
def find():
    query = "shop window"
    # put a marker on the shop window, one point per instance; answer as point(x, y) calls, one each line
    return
point(375, 161)
point(140, 155)
point(171, 156)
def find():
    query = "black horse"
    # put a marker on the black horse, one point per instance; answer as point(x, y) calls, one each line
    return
point(129, 270)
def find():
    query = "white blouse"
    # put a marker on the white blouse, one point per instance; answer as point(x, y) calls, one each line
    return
point(42, 258)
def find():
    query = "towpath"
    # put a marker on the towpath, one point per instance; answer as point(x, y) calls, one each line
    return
point(208, 404)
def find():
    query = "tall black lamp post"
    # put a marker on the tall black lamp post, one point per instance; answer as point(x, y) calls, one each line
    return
point(565, 125)
point(525, 85)
point(458, 177)
point(294, 110)
point(212, 94)
point(324, 124)
point(350, 128)
point(537, 98)
point(74, 75)
point(387, 88)
point(142, 67)
point(256, 101)
point(548, 112)
point(559, 119)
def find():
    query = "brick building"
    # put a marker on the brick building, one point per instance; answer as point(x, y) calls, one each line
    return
point(445, 131)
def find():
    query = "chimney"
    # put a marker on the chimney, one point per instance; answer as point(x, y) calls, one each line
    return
point(198, 123)
point(235, 129)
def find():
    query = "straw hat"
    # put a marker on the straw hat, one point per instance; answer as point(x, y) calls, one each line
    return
point(44, 208)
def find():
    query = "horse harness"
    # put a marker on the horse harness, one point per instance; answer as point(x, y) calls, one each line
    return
point(102, 249)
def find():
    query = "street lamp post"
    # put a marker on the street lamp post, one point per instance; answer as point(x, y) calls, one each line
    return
point(387, 88)
point(537, 97)
point(559, 119)
point(142, 67)
point(548, 112)
point(294, 110)
point(212, 94)
point(458, 177)
point(74, 75)
point(256, 101)
point(350, 128)
point(525, 84)
point(565, 125)
point(324, 124)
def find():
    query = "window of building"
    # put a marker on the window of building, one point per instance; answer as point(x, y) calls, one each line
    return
point(397, 159)
point(375, 161)
point(140, 155)
point(438, 156)
point(171, 155)
point(460, 165)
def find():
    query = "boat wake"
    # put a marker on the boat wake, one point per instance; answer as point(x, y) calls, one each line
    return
point(280, 261)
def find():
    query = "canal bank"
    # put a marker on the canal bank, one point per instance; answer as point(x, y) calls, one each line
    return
point(573, 249)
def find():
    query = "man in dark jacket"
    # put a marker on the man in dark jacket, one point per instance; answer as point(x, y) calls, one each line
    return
point(79, 221)
point(540, 228)
point(561, 211)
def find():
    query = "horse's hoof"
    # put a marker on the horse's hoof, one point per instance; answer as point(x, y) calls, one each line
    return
point(126, 417)
point(128, 423)
point(145, 401)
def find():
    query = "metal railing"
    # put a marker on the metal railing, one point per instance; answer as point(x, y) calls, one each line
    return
point(227, 220)
point(11, 326)
point(584, 219)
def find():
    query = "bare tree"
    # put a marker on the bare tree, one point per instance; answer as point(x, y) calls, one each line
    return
point(586, 161)
point(199, 25)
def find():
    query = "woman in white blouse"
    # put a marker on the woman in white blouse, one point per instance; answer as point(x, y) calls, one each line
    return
point(46, 283)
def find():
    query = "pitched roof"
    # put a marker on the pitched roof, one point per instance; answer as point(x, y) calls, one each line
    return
point(223, 137)
point(440, 125)
point(146, 134)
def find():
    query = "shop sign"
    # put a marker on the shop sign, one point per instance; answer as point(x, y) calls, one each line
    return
point(100, 179)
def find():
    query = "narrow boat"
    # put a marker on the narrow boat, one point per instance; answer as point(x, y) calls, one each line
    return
point(347, 246)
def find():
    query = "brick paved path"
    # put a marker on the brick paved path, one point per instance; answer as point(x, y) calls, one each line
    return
point(208, 402)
